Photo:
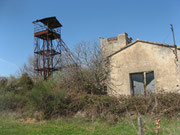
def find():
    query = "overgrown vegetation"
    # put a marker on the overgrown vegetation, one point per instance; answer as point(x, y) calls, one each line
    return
point(50, 100)
point(79, 92)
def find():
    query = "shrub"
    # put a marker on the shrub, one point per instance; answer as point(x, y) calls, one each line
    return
point(104, 106)
point(12, 101)
point(44, 97)
point(51, 99)
point(25, 82)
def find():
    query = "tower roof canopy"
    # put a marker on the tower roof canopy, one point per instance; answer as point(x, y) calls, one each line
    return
point(51, 22)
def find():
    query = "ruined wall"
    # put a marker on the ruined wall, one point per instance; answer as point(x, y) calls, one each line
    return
point(142, 57)
point(113, 44)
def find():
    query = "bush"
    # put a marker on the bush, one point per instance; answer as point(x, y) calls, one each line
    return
point(25, 82)
point(45, 98)
point(166, 104)
point(12, 101)
point(52, 100)
point(18, 85)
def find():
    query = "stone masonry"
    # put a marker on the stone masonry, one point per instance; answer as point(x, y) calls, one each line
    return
point(140, 67)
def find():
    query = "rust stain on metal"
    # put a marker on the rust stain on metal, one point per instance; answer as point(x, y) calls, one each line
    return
point(49, 48)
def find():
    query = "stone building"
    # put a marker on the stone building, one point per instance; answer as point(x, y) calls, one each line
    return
point(140, 67)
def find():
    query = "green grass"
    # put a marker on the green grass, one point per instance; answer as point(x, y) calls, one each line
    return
point(84, 126)
point(55, 127)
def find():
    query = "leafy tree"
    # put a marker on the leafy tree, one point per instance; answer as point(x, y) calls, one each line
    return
point(25, 82)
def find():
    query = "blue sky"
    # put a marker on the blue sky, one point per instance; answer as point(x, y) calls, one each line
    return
point(83, 20)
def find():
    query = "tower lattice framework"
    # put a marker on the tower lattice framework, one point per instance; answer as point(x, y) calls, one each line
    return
point(50, 52)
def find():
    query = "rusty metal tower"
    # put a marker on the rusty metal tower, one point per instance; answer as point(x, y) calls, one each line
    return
point(50, 52)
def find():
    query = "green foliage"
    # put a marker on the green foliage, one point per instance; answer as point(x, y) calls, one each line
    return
point(3, 84)
point(85, 126)
point(52, 99)
point(164, 104)
point(25, 82)
point(45, 98)
point(14, 92)
point(17, 85)
point(12, 84)
point(12, 101)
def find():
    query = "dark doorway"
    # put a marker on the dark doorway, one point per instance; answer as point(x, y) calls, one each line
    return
point(137, 83)
point(150, 82)
point(142, 83)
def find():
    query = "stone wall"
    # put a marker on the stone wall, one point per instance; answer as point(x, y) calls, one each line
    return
point(113, 44)
point(141, 57)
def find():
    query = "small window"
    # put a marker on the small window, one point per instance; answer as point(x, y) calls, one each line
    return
point(112, 39)
point(142, 83)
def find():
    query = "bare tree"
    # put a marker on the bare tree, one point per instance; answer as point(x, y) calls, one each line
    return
point(28, 68)
point(90, 76)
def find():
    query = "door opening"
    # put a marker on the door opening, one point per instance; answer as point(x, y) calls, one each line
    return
point(142, 83)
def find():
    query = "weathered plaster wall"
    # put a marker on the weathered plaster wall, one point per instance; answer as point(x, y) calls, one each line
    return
point(113, 44)
point(142, 57)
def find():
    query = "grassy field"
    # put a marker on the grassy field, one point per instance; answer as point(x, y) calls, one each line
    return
point(10, 125)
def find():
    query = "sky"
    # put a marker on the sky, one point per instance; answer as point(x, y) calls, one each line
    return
point(83, 20)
